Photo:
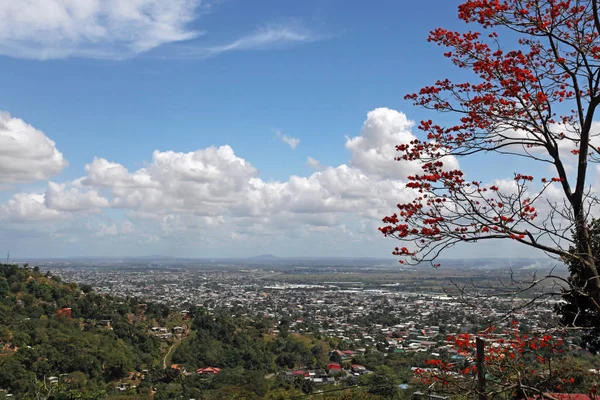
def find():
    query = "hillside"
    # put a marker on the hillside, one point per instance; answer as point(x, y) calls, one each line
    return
point(52, 331)
point(62, 341)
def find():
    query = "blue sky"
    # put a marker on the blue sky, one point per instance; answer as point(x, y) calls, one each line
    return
point(275, 81)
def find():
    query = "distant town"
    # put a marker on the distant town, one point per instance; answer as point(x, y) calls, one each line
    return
point(383, 307)
point(328, 324)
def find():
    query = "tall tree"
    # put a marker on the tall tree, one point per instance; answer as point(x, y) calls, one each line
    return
point(536, 66)
point(577, 308)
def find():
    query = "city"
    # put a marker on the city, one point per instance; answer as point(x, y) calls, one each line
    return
point(368, 309)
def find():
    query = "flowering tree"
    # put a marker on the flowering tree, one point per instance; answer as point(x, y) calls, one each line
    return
point(533, 364)
point(536, 99)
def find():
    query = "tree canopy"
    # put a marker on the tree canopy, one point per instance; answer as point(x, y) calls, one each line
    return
point(534, 94)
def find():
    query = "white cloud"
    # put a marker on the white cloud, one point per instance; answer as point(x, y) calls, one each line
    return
point(103, 173)
point(202, 181)
point(290, 141)
point(59, 197)
point(313, 163)
point(127, 227)
point(26, 154)
point(268, 37)
point(47, 29)
point(107, 230)
point(214, 196)
point(29, 207)
point(374, 150)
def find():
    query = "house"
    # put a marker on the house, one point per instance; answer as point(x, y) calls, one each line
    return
point(298, 372)
point(104, 323)
point(287, 375)
point(564, 396)
point(358, 369)
point(164, 335)
point(334, 368)
point(208, 371)
point(8, 348)
point(64, 312)
point(428, 396)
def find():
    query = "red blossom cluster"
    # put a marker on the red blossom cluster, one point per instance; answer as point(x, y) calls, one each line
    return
point(510, 358)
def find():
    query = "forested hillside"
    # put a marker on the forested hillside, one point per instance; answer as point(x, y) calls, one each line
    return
point(63, 341)
point(52, 330)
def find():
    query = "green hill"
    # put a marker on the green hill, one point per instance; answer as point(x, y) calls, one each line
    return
point(63, 341)
point(54, 331)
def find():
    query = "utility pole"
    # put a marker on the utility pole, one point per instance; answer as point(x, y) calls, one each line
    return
point(7, 256)
point(480, 368)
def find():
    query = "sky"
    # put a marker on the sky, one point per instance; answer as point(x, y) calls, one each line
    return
point(200, 128)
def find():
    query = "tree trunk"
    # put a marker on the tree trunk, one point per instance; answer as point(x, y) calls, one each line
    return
point(480, 368)
point(589, 273)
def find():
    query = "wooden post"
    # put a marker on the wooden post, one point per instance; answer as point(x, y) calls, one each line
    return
point(480, 368)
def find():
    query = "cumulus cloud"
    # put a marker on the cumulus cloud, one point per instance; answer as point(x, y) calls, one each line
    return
point(29, 207)
point(373, 151)
point(203, 181)
point(567, 138)
point(103, 173)
point(106, 230)
point(26, 153)
point(290, 141)
point(215, 196)
point(313, 163)
point(59, 197)
point(47, 29)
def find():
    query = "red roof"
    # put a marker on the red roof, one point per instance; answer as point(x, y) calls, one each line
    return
point(208, 370)
point(569, 396)
point(64, 312)
point(298, 372)
point(334, 366)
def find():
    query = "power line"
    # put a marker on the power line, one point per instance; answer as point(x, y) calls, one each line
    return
point(304, 396)
point(373, 387)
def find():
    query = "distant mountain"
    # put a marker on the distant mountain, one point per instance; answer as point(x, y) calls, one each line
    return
point(265, 257)
point(273, 260)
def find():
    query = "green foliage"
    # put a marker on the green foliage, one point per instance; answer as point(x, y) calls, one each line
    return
point(44, 339)
point(383, 382)
point(578, 309)
point(40, 343)
point(224, 342)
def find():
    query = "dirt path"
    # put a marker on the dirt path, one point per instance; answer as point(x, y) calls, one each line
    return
point(169, 352)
